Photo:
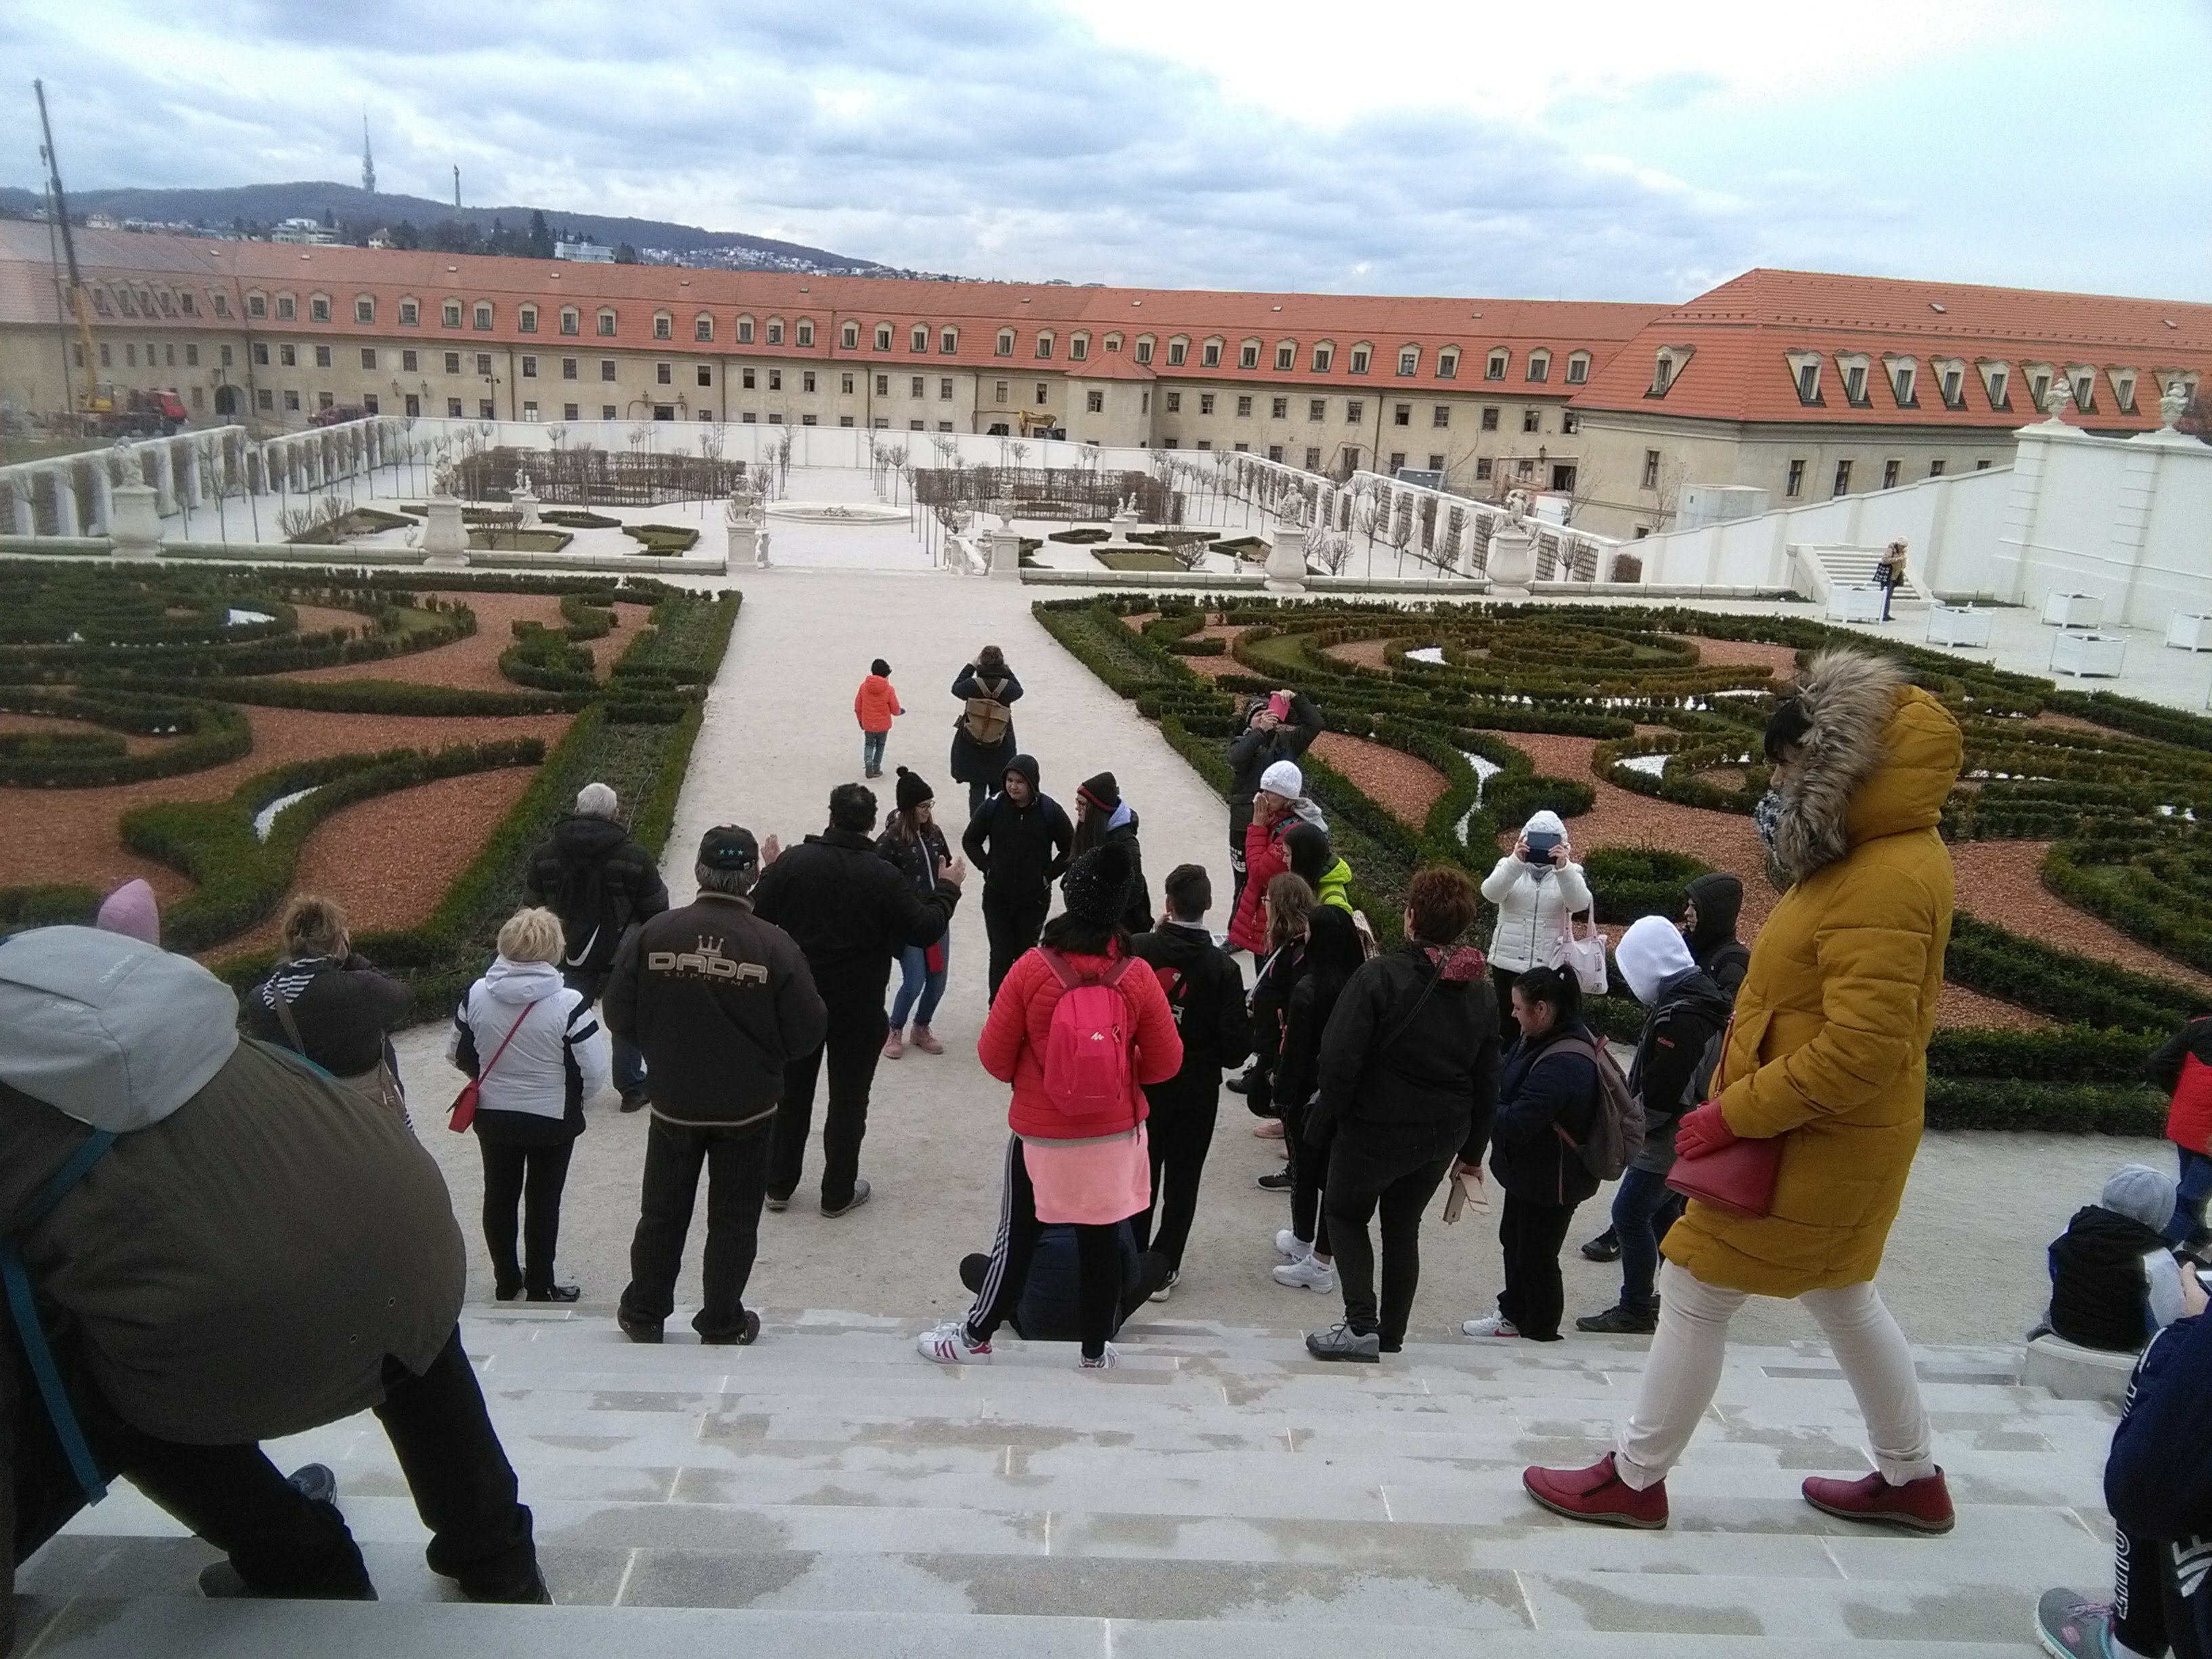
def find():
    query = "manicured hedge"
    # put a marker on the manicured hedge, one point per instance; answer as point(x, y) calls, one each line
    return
point(1629, 882)
point(208, 733)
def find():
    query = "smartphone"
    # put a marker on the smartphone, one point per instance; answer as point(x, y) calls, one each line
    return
point(1541, 844)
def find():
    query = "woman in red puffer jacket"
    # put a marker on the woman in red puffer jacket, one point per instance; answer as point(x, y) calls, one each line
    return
point(1280, 807)
point(1090, 1170)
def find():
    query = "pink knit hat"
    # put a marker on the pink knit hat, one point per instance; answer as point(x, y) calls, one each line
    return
point(131, 910)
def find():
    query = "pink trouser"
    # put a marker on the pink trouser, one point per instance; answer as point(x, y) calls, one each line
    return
point(1684, 1371)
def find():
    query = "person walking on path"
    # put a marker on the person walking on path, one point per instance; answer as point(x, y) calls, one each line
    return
point(915, 847)
point(1079, 1036)
point(1828, 1051)
point(1687, 1012)
point(1536, 887)
point(1101, 816)
point(1547, 1104)
point(1022, 841)
point(327, 1003)
point(1408, 1082)
point(1206, 993)
point(721, 1002)
point(1711, 905)
point(1333, 954)
point(875, 705)
point(536, 1050)
point(600, 883)
point(850, 913)
point(1279, 806)
point(1286, 909)
point(983, 736)
point(158, 1146)
point(2183, 1067)
point(1280, 726)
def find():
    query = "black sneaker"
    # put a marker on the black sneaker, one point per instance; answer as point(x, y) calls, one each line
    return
point(636, 1099)
point(744, 1337)
point(1342, 1342)
point(555, 1293)
point(779, 1205)
point(1239, 1084)
point(1606, 1246)
point(1280, 1182)
point(639, 1330)
point(1621, 1320)
point(859, 1197)
point(314, 1482)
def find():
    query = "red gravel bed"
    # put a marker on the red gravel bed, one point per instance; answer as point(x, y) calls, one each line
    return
point(1363, 653)
point(321, 618)
point(1779, 661)
point(1134, 621)
point(2000, 881)
point(2051, 722)
point(1403, 786)
point(133, 742)
point(473, 664)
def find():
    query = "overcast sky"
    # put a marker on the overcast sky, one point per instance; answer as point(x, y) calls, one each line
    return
point(1595, 150)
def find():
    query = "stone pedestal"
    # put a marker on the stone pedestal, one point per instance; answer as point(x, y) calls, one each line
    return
point(525, 506)
point(1286, 563)
point(1121, 523)
point(134, 523)
point(743, 540)
point(1006, 553)
point(445, 537)
point(1512, 560)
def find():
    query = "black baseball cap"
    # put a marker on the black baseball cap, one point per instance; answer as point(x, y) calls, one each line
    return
point(729, 847)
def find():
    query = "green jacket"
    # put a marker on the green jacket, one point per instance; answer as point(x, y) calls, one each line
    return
point(1335, 886)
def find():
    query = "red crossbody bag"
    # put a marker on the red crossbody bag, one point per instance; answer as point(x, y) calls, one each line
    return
point(464, 1103)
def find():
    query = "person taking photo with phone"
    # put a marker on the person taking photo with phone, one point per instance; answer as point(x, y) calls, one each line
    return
point(1536, 887)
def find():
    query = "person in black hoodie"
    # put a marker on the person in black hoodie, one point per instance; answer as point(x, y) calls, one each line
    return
point(2114, 1281)
point(1548, 1101)
point(600, 883)
point(1101, 816)
point(1021, 841)
point(1333, 954)
point(721, 1002)
point(1408, 1082)
point(915, 846)
point(851, 913)
point(327, 1002)
point(1280, 726)
point(983, 745)
point(1711, 905)
point(1205, 992)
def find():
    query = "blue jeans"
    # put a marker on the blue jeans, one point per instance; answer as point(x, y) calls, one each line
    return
point(2191, 1190)
point(920, 981)
point(1637, 1204)
point(628, 1062)
point(872, 751)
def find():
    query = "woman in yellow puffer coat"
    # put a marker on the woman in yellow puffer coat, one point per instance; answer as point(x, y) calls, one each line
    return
point(1829, 1048)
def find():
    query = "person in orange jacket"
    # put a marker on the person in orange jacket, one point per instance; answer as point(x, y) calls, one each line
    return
point(875, 705)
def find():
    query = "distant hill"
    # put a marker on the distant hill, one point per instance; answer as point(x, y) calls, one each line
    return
point(359, 213)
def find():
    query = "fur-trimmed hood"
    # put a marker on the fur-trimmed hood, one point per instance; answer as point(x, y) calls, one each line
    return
point(1882, 757)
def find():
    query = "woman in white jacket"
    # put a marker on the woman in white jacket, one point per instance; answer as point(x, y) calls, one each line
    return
point(1535, 894)
point(538, 1052)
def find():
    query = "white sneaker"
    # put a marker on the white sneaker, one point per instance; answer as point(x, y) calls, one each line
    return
point(1307, 1274)
point(948, 1345)
point(1490, 1328)
point(1105, 1362)
point(1291, 1247)
point(1167, 1287)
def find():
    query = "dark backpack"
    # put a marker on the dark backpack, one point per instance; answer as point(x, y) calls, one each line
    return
point(1698, 1089)
point(1616, 1131)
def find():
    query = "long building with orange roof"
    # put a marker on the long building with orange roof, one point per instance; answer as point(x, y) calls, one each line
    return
point(1796, 384)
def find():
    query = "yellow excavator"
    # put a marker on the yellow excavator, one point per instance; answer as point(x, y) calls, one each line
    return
point(91, 399)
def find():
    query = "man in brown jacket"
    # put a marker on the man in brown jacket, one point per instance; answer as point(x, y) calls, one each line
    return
point(257, 1253)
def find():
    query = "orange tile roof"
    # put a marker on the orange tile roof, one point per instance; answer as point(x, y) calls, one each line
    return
point(1741, 332)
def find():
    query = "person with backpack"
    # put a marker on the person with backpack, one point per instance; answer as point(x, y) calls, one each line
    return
point(983, 745)
point(2183, 1067)
point(723, 1003)
point(1206, 993)
point(1279, 727)
point(1539, 889)
point(850, 914)
point(599, 883)
point(1675, 1054)
point(1081, 1029)
point(2114, 1282)
point(1824, 1079)
point(1280, 806)
point(1333, 954)
point(327, 1002)
point(1551, 1101)
point(913, 844)
point(220, 1247)
point(1051, 1308)
point(1021, 841)
point(1408, 1081)
point(1101, 816)
point(1711, 905)
point(875, 705)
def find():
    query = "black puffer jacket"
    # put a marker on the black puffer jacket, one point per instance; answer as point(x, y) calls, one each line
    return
point(2100, 1280)
point(1205, 992)
point(1719, 899)
point(1545, 1097)
point(1392, 1072)
point(600, 883)
point(1021, 850)
point(916, 860)
point(1253, 750)
point(849, 911)
point(972, 761)
point(345, 1010)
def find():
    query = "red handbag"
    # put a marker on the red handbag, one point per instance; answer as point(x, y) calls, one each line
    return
point(1739, 1178)
point(464, 1103)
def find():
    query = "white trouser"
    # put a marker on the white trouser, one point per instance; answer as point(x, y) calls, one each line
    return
point(1684, 1371)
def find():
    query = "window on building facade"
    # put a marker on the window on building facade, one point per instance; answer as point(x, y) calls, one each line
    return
point(1540, 367)
point(483, 362)
point(805, 333)
point(1313, 458)
point(222, 306)
point(606, 411)
point(1006, 346)
point(1401, 414)
point(1532, 419)
point(806, 379)
point(288, 356)
point(1043, 392)
point(1248, 355)
point(606, 326)
point(484, 316)
point(606, 368)
point(2124, 391)
point(1935, 467)
point(1211, 357)
point(1843, 479)
point(1481, 467)
point(948, 343)
point(1855, 390)
point(265, 400)
point(945, 391)
point(1094, 402)
point(1440, 415)
point(1796, 483)
point(1361, 357)
point(744, 331)
point(530, 368)
point(1175, 402)
point(1317, 408)
point(1808, 383)
point(1494, 366)
point(567, 369)
point(318, 309)
point(1651, 469)
point(322, 357)
point(1079, 348)
point(1409, 362)
point(702, 327)
point(1996, 382)
point(1143, 348)
point(1244, 406)
point(1206, 403)
point(1891, 470)
point(1351, 457)
point(1323, 354)
point(367, 357)
point(571, 323)
point(292, 402)
point(257, 305)
point(776, 331)
point(749, 378)
point(882, 337)
point(1448, 363)
point(1279, 409)
point(568, 411)
point(705, 375)
point(1355, 410)
point(1044, 343)
point(883, 386)
point(1579, 366)
point(776, 380)
point(364, 309)
point(1902, 377)
point(845, 386)
point(452, 362)
point(848, 337)
point(1177, 350)
point(286, 310)
point(1286, 357)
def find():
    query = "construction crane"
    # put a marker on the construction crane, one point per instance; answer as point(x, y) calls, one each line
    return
point(90, 400)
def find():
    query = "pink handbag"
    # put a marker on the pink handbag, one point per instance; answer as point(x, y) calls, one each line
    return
point(1739, 1178)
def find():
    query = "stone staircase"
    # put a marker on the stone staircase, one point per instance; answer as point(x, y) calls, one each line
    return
point(828, 1492)
point(1828, 567)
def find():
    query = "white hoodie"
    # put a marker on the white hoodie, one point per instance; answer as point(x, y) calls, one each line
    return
point(1533, 902)
point(532, 1076)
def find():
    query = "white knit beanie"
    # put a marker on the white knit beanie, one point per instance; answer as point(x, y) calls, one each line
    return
point(1284, 779)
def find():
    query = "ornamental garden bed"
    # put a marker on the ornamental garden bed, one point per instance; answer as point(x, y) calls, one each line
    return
point(2083, 876)
point(414, 749)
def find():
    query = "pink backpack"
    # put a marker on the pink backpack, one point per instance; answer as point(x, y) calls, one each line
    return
point(1086, 1050)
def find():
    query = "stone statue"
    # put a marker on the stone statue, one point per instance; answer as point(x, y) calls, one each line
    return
point(2055, 401)
point(1291, 511)
point(1516, 505)
point(521, 482)
point(2173, 403)
point(760, 551)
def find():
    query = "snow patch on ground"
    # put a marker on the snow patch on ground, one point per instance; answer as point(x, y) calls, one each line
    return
point(1655, 765)
point(1485, 769)
point(1429, 654)
point(238, 618)
point(264, 821)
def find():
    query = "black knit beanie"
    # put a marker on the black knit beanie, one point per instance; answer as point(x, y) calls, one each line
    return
point(1101, 794)
point(912, 791)
point(1096, 885)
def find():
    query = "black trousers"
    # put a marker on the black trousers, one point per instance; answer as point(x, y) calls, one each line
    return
point(282, 1544)
point(1179, 1135)
point(2149, 1612)
point(1308, 1177)
point(528, 1179)
point(1151, 1273)
point(736, 1163)
point(1531, 1235)
point(1013, 925)
point(1501, 981)
point(1238, 819)
point(1097, 1256)
point(1398, 1178)
point(855, 1044)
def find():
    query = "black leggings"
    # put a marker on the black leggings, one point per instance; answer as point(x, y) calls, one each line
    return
point(530, 1178)
point(1097, 1254)
point(1501, 981)
point(1309, 1177)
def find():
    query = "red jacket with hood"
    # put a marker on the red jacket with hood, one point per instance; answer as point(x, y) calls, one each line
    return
point(1012, 1045)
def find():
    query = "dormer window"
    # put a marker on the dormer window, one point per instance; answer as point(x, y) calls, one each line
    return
point(287, 308)
point(100, 305)
point(1494, 366)
point(1113, 342)
point(2124, 389)
point(223, 307)
point(806, 331)
point(1539, 366)
point(1950, 381)
point(1079, 348)
point(664, 325)
point(1578, 368)
point(526, 319)
point(2083, 379)
point(776, 331)
point(1044, 343)
point(703, 326)
point(364, 308)
point(572, 320)
point(257, 305)
point(1005, 342)
point(882, 337)
point(607, 324)
point(484, 316)
point(1852, 368)
point(1805, 370)
point(848, 337)
point(948, 342)
point(1143, 348)
point(1210, 356)
point(1324, 354)
point(1178, 348)
point(1409, 362)
point(1248, 355)
point(2041, 377)
point(1996, 384)
point(1362, 354)
point(1286, 355)
point(1904, 374)
point(1666, 365)
point(744, 331)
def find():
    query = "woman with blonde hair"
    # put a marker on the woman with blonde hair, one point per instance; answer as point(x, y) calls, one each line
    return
point(327, 1002)
point(536, 1052)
